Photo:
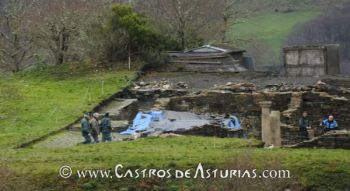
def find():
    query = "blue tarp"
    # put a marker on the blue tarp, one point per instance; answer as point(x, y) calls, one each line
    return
point(234, 123)
point(142, 121)
point(157, 115)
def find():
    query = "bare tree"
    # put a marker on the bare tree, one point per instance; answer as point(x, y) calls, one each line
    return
point(183, 20)
point(62, 26)
point(15, 37)
point(230, 13)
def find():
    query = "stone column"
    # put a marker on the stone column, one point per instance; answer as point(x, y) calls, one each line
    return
point(265, 120)
point(275, 125)
point(311, 133)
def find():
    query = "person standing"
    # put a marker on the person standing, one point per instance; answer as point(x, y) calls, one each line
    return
point(304, 125)
point(86, 128)
point(106, 128)
point(95, 127)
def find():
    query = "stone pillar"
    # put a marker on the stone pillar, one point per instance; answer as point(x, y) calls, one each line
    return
point(311, 133)
point(265, 120)
point(275, 125)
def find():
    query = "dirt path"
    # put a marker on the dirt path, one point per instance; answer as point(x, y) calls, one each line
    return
point(70, 139)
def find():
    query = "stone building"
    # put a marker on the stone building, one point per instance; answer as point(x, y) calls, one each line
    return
point(209, 58)
point(312, 60)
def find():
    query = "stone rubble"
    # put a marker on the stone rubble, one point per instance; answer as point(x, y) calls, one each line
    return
point(236, 87)
point(286, 88)
point(163, 84)
point(158, 89)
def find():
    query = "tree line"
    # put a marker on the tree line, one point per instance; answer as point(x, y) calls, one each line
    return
point(106, 31)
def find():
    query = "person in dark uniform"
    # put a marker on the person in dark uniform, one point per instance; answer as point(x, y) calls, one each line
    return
point(106, 128)
point(304, 125)
point(86, 128)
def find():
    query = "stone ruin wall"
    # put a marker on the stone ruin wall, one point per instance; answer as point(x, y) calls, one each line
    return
point(320, 105)
point(309, 62)
point(246, 107)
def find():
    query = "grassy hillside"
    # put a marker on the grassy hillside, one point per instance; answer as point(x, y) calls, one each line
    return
point(265, 34)
point(271, 28)
point(38, 102)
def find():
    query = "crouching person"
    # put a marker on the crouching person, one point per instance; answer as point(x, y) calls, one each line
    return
point(106, 128)
point(85, 129)
point(95, 127)
point(329, 124)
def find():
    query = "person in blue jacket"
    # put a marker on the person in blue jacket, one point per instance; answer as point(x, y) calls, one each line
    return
point(329, 124)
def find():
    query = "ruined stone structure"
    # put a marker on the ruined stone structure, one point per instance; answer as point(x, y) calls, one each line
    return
point(208, 58)
point(338, 139)
point(248, 107)
point(244, 105)
point(312, 60)
point(270, 125)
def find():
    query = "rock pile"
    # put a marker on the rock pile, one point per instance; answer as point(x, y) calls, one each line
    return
point(157, 89)
point(286, 88)
point(236, 87)
point(320, 86)
point(163, 85)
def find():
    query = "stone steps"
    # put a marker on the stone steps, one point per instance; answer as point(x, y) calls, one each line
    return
point(120, 109)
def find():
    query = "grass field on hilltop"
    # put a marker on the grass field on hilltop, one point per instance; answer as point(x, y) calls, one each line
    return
point(269, 31)
point(272, 28)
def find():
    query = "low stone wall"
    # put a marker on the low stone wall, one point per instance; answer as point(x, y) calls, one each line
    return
point(244, 105)
point(222, 102)
point(320, 105)
point(345, 83)
point(338, 139)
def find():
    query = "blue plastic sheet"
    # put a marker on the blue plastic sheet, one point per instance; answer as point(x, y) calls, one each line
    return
point(142, 121)
point(157, 115)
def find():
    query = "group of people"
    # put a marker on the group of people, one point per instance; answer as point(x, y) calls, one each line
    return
point(91, 126)
point(327, 125)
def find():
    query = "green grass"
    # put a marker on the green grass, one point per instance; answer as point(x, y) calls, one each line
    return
point(269, 31)
point(272, 28)
point(38, 102)
point(33, 105)
point(313, 168)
